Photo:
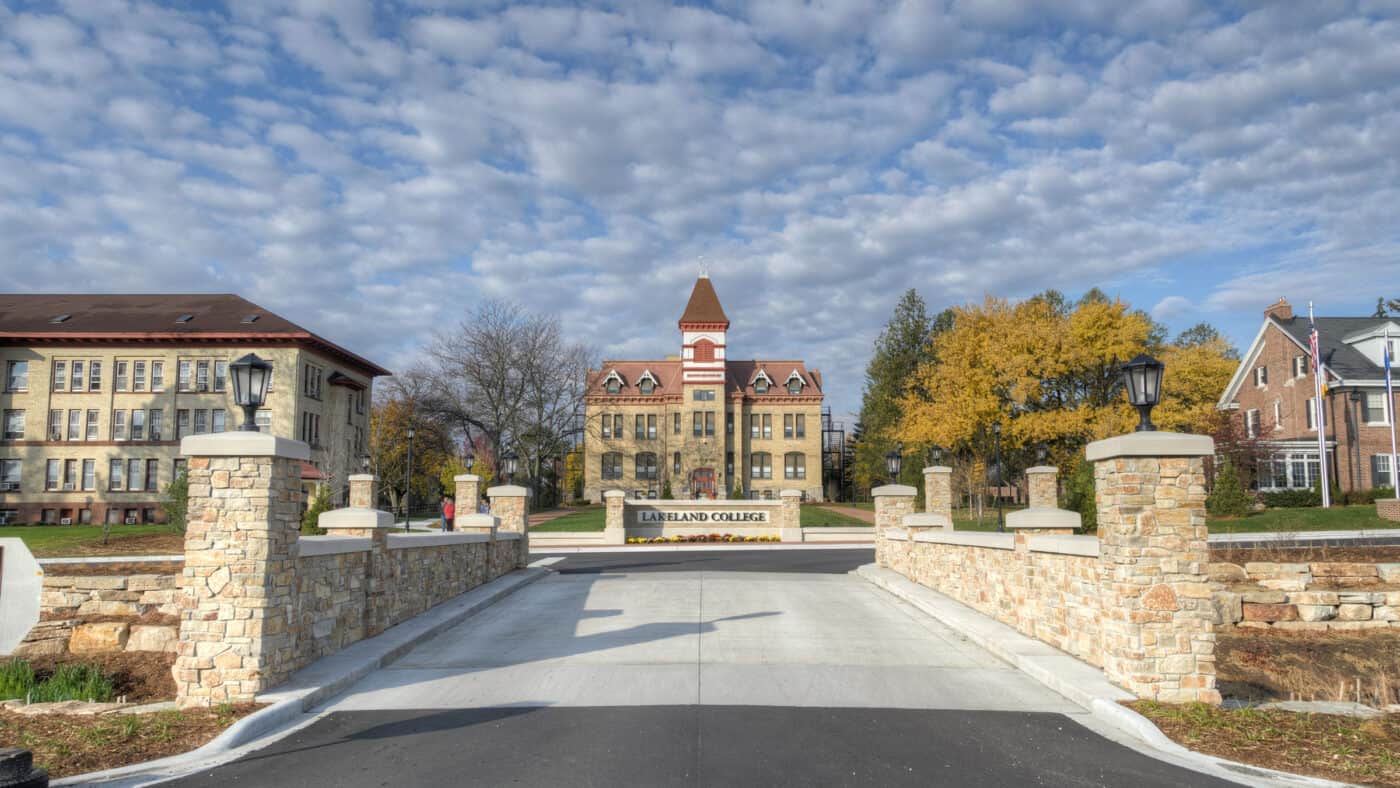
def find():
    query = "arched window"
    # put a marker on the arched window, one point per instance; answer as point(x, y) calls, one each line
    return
point(794, 465)
point(612, 465)
point(794, 384)
point(704, 351)
point(647, 386)
point(760, 386)
point(614, 385)
point(760, 465)
point(646, 465)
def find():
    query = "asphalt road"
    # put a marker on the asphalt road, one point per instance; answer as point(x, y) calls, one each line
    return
point(730, 668)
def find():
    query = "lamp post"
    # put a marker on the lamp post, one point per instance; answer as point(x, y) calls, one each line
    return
point(250, 378)
point(510, 462)
point(894, 461)
point(935, 454)
point(408, 484)
point(1143, 375)
point(996, 431)
point(364, 463)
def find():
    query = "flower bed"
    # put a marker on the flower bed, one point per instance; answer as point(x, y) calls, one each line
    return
point(701, 539)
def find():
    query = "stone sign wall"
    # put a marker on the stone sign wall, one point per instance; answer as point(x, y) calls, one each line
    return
point(650, 519)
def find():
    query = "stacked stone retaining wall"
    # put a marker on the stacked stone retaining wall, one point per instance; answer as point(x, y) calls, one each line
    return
point(1307, 596)
point(93, 614)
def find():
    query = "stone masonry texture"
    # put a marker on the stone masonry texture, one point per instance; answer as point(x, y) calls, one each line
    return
point(938, 491)
point(1044, 493)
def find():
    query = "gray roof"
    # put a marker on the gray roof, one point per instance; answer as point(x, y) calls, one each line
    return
point(1344, 360)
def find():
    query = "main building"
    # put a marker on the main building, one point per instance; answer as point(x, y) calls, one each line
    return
point(706, 425)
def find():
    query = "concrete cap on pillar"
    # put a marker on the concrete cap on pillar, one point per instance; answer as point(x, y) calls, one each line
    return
point(1043, 517)
point(478, 521)
point(508, 491)
point(893, 490)
point(463, 477)
point(927, 520)
point(355, 518)
point(362, 477)
point(243, 444)
point(1042, 469)
point(1149, 444)
point(790, 494)
point(938, 469)
point(615, 494)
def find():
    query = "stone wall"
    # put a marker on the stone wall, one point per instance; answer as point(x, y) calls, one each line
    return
point(104, 613)
point(1315, 596)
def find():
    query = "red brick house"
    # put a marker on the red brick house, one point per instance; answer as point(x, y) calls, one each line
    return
point(1272, 394)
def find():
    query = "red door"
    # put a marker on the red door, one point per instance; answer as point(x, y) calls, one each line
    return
point(702, 482)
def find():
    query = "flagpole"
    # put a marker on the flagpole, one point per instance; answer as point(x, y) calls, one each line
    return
point(1390, 415)
point(1324, 482)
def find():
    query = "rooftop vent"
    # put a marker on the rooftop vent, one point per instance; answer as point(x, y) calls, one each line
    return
point(61, 318)
point(251, 318)
point(184, 318)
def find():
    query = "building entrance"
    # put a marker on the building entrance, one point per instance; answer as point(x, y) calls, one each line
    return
point(702, 482)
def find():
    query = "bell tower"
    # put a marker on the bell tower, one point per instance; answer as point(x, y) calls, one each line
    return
point(703, 326)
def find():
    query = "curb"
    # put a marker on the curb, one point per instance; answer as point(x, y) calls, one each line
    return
point(320, 681)
point(1072, 678)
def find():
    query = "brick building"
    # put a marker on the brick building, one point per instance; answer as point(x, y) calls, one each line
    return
point(1272, 394)
point(98, 390)
point(706, 424)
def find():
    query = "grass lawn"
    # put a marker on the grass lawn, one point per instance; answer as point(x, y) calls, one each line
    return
point(66, 540)
point(1312, 518)
point(820, 516)
point(592, 519)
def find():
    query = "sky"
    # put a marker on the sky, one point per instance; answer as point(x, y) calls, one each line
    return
point(372, 171)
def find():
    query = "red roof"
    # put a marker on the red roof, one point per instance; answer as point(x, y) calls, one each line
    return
point(703, 306)
point(311, 472)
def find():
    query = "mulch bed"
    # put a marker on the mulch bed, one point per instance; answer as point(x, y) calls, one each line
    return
point(1268, 664)
point(1319, 745)
point(123, 568)
point(142, 676)
point(172, 543)
point(1380, 554)
point(69, 744)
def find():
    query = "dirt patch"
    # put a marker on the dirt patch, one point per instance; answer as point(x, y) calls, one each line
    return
point(1379, 554)
point(1263, 665)
point(143, 677)
point(171, 543)
point(66, 745)
point(1319, 745)
point(114, 569)
point(152, 618)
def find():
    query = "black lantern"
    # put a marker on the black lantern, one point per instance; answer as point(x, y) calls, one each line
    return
point(894, 461)
point(1143, 375)
point(251, 376)
point(1041, 453)
point(364, 463)
point(510, 463)
point(935, 454)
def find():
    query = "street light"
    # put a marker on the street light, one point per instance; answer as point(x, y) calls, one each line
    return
point(364, 463)
point(935, 454)
point(251, 376)
point(1143, 376)
point(894, 461)
point(510, 463)
point(996, 430)
point(1041, 453)
point(408, 484)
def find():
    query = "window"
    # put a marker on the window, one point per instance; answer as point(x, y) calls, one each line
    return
point(1292, 470)
point(1373, 410)
point(135, 479)
point(794, 465)
point(612, 465)
point(55, 425)
point(794, 385)
point(676, 464)
point(157, 376)
point(311, 429)
point(152, 476)
point(8, 516)
point(1261, 376)
point(651, 426)
point(118, 425)
point(120, 381)
point(760, 465)
point(157, 422)
point(704, 351)
point(138, 376)
point(89, 474)
point(14, 425)
point(729, 423)
point(9, 474)
point(709, 423)
point(201, 376)
point(220, 375)
point(787, 425)
point(75, 425)
point(216, 417)
point(1380, 471)
point(607, 425)
point(77, 381)
point(182, 423)
point(760, 386)
point(263, 419)
point(617, 425)
point(703, 395)
point(201, 421)
point(1251, 423)
point(614, 386)
point(646, 386)
point(697, 424)
point(70, 474)
point(138, 425)
point(646, 466)
point(359, 402)
point(311, 385)
point(51, 475)
point(676, 423)
point(639, 430)
point(183, 373)
point(17, 376)
point(91, 432)
point(729, 464)
point(60, 375)
point(94, 376)
point(1311, 408)
point(49, 516)
point(767, 425)
point(755, 426)
point(1300, 366)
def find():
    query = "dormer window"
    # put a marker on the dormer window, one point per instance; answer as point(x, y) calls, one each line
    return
point(646, 383)
point(614, 387)
point(795, 383)
point(613, 383)
point(760, 386)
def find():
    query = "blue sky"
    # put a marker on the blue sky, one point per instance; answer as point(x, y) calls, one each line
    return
point(371, 171)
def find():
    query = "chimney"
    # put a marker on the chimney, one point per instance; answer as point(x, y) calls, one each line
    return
point(1281, 310)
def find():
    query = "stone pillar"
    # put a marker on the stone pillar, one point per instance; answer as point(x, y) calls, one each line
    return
point(238, 587)
point(375, 525)
point(892, 503)
point(790, 516)
point(468, 496)
point(364, 490)
point(938, 491)
point(1158, 623)
point(510, 507)
point(614, 527)
point(1043, 493)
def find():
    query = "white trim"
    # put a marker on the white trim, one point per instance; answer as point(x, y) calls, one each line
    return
point(762, 373)
point(1378, 330)
point(612, 375)
point(646, 375)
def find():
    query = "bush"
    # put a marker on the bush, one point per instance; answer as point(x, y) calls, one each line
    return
point(1291, 499)
point(74, 682)
point(177, 500)
point(310, 522)
point(1080, 496)
point(1358, 497)
point(666, 491)
point(16, 679)
point(738, 493)
point(1229, 498)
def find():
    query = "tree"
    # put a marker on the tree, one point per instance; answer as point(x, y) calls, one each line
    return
point(1197, 370)
point(573, 473)
point(1228, 498)
point(311, 520)
point(390, 420)
point(176, 502)
point(1386, 307)
point(666, 490)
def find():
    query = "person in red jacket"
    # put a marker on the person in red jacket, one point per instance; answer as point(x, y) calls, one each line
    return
point(449, 511)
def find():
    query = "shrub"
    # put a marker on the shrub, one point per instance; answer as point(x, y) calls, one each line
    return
point(16, 679)
point(1291, 499)
point(666, 491)
point(74, 682)
point(1229, 498)
point(310, 522)
point(176, 503)
point(1080, 496)
point(1357, 497)
point(738, 493)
